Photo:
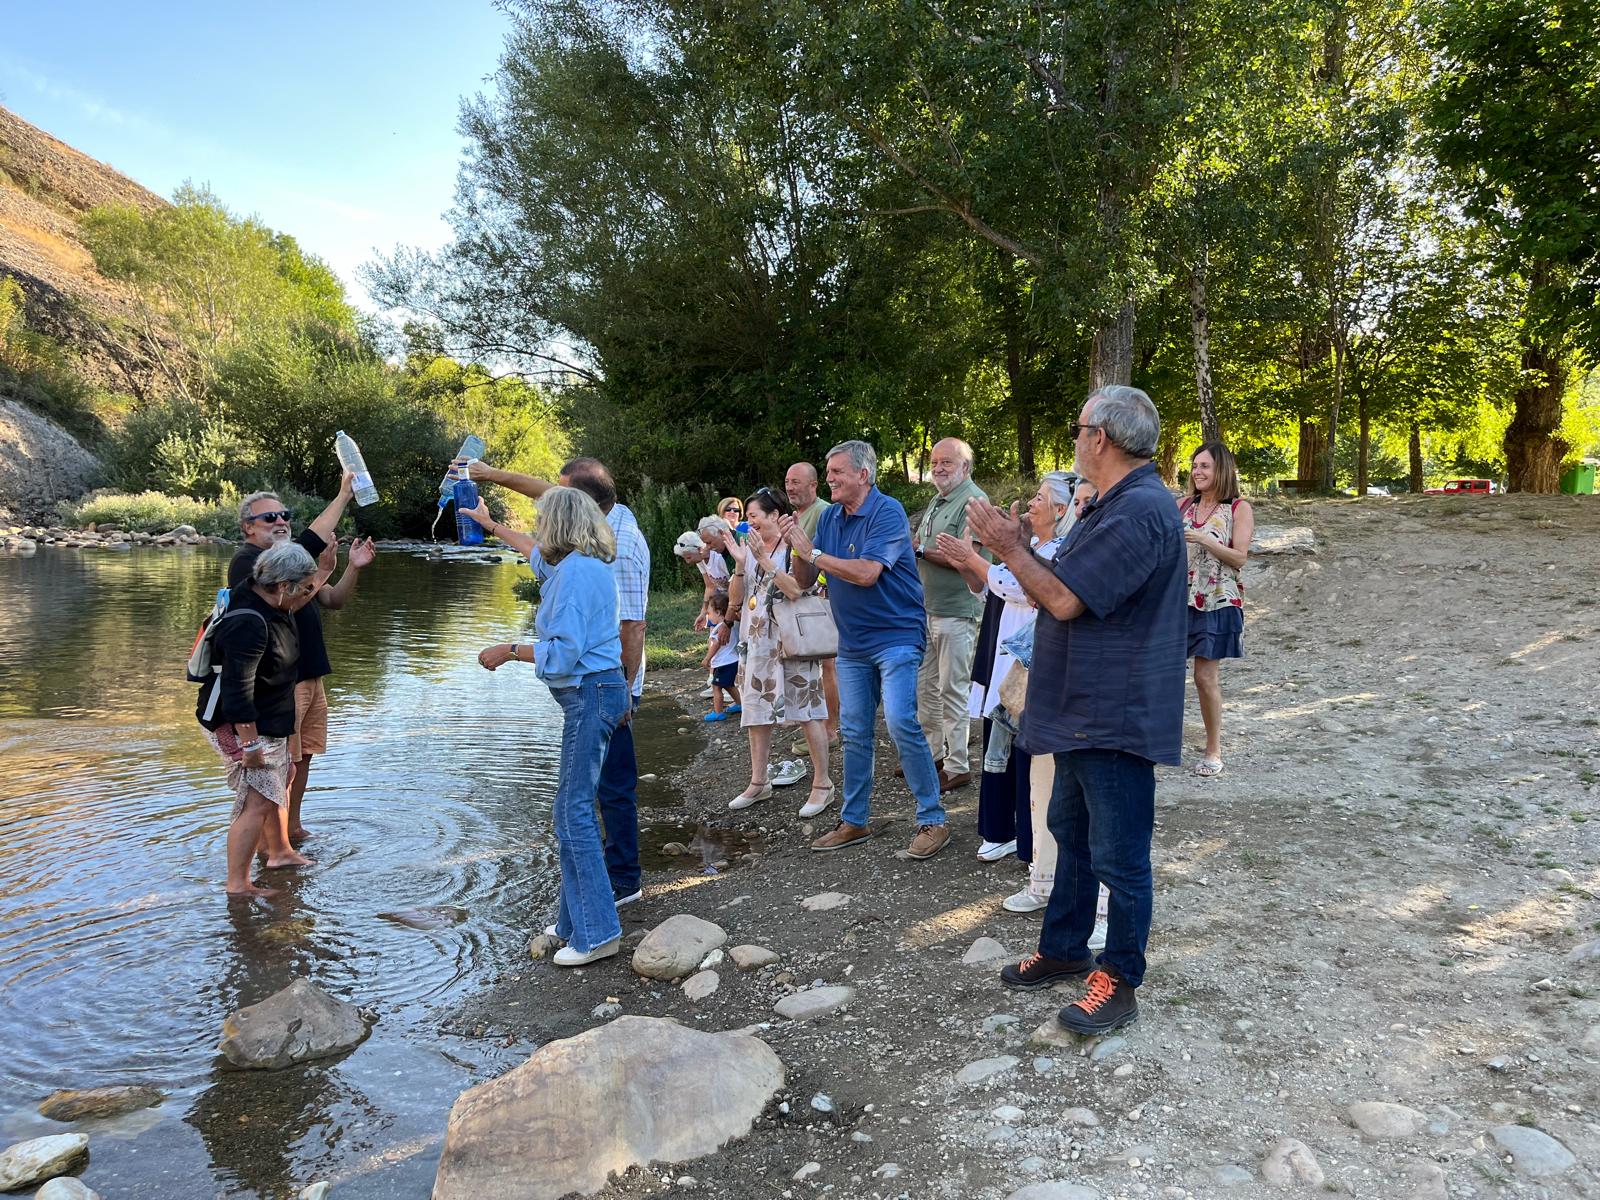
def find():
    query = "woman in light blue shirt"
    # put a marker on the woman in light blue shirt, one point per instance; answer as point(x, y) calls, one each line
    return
point(579, 657)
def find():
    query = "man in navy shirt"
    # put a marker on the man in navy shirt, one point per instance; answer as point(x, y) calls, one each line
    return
point(863, 545)
point(1105, 697)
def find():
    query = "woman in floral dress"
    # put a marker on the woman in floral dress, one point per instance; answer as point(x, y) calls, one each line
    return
point(774, 691)
point(1218, 526)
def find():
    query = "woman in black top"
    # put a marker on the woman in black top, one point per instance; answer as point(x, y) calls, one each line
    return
point(248, 709)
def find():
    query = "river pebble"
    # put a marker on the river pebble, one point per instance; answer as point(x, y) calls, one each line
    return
point(1106, 1047)
point(986, 1068)
point(1291, 1162)
point(40, 1158)
point(1534, 1153)
point(806, 1171)
point(1377, 1119)
point(825, 901)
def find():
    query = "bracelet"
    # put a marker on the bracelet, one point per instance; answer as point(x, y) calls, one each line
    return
point(514, 653)
point(247, 747)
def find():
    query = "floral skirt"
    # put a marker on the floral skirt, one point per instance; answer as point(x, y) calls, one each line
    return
point(776, 691)
point(272, 780)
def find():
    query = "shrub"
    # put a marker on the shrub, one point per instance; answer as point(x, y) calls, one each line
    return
point(157, 512)
point(664, 512)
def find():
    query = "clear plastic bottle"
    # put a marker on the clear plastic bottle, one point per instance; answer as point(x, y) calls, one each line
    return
point(472, 447)
point(350, 459)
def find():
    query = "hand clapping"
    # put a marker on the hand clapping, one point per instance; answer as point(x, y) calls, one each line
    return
point(996, 528)
point(957, 549)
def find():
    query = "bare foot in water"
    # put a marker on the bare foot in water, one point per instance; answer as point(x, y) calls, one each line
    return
point(299, 834)
point(290, 859)
point(252, 891)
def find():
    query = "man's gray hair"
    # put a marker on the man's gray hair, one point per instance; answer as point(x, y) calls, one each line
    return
point(1128, 418)
point(244, 505)
point(716, 523)
point(287, 562)
point(862, 458)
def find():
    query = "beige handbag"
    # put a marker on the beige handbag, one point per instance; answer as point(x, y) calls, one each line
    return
point(1014, 689)
point(806, 631)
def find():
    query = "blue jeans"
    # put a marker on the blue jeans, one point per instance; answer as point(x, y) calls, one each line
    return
point(889, 675)
point(587, 916)
point(619, 811)
point(1102, 814)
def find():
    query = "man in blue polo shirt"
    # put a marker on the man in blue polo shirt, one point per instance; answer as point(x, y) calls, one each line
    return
point(863, 545)
point(1105, 697)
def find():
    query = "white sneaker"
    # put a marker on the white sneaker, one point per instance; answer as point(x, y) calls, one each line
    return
point(741, 801)
point(568, 957)
point(813, 806)
point(705, 693)
point(1097, 939)
point(995, 851)
point(622, 900)
point(789, 772)
point(1024, 902)
point(550, 931)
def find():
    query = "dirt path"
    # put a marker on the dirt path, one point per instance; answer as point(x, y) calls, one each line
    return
point(1377, 902)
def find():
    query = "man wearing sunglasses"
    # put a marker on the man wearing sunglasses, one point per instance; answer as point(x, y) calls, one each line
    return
point(1105, 698)
point(264, 521)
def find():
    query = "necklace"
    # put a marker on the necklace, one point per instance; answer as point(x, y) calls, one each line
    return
point(1199, 518)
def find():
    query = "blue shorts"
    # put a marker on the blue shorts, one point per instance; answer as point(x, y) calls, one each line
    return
point(725, 675)
point(1216, 632)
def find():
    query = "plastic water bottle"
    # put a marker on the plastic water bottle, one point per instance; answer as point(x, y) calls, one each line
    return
point(350, 459)
point(468, 531)
point(472, 447)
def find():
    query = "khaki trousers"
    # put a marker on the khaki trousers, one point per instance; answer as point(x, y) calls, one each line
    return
point(942, 687)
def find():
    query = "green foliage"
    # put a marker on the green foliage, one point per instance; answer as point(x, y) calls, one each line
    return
point(158, 512)
point(38, 371)
point(664, 511)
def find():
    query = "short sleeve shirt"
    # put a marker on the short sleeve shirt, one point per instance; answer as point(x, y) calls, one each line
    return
point(314, 662)
point(808, 517)
point(947, 592)
point(890, 613)
point(1112, 678)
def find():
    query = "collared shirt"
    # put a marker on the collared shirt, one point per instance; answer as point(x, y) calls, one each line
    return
point(1112, 678)
point(808, 516)
point(631, 570)
point(947, 592)
point(890, 612)
point(577, 621)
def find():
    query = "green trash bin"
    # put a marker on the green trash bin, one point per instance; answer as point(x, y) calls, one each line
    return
point(1578, 480)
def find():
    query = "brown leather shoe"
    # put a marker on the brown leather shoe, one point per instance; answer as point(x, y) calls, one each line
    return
point(929, 841)
point(841, 835)
point(938, 766)
point(949, 783)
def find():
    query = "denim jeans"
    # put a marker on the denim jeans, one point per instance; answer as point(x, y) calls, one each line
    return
point(587, 916)
point(1102, 814)
point(619, 811)
point(889, 675)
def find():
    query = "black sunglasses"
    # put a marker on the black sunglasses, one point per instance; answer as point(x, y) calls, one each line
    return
point(282, 514)
point(1078, 427)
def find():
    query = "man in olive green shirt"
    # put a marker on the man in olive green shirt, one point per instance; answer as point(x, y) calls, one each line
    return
point(953, 612)
point(800, 485)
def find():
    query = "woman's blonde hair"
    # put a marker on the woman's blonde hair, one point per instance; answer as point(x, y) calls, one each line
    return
point(570, 522)
point(733, 500)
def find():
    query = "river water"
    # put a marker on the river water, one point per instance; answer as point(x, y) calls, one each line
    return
point(119, 954)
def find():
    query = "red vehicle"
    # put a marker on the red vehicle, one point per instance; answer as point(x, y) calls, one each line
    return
point(1464, 487)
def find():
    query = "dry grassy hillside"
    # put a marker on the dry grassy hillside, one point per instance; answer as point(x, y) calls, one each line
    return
point(45, 186)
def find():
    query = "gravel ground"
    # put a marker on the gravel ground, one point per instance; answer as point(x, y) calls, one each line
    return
point(1388, 897)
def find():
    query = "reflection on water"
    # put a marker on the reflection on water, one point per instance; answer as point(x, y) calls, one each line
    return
point(119, 955)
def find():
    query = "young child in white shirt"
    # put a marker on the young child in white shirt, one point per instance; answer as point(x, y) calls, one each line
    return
point(722, 658)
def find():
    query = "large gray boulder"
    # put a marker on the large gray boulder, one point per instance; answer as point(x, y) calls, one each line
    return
point(635, 1091)
point(301, 1022)
point(39, 1159)
point(675, 947)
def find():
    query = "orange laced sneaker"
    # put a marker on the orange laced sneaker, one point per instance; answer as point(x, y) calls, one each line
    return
point(1039, 971)
point(1108, 1004)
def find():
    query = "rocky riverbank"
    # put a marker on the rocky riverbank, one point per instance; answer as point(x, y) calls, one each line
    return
point(26, 539)
point(1374, 961)
point(41, 464)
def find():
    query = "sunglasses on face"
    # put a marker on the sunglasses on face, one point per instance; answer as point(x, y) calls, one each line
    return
point(1078, 427)
point(273, 516)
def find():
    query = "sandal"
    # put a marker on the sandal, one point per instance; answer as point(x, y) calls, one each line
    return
point(1208, 768)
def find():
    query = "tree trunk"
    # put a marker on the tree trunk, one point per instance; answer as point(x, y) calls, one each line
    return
point(1200, 328)
point(1025, 459)
point(1534, 449)
point(1363, 447)
point(1309, 461)
point(1326, 474)
point(1416, 459)
point(1015, 338)
point(1167, 456)
point(1111, 360)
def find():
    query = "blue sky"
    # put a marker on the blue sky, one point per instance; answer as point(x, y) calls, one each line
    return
point(334, 122)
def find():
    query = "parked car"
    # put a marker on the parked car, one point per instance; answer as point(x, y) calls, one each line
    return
point(1464, 487)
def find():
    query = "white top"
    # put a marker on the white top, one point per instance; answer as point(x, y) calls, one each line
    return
point(729, 653)
point(715, 568)
point(1018, 613)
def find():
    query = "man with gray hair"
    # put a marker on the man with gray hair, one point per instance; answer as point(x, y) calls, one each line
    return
point(1105, 698)
point(863, 544)
point(264, 521)
point(953, 612)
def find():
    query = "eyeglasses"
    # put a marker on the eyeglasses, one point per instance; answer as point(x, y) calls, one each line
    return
point(282, 514)
point(1078, 427)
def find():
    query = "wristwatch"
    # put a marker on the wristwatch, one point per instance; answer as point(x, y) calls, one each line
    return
point(816, 553)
